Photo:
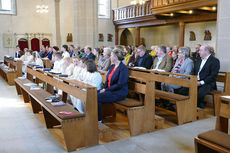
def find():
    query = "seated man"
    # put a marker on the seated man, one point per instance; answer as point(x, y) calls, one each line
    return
point(163, 61)
point(206, 69)
point(89, 54)
point(144, 59)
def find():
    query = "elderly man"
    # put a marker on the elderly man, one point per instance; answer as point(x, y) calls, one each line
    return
point(89, 54)
point(196, 55)
point(163, 61)
point(144, 59)
point(206, 69)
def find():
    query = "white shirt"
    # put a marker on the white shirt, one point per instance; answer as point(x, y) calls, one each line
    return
point(94, 79)
point(65, 54)
point(26, 59)
point(69, 69)
point(58, 66)
point(204, 60)
point(76, 72)
point(159, 61)
point(39, 62)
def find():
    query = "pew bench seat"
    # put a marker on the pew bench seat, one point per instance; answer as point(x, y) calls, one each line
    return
point(71, 125)
point(213, 141)
point(7, 75)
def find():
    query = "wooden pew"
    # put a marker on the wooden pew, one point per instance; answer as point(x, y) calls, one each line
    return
point(79, 130)
point(46, 62)
point(217, 140)
point(141, 114)
point(222, 77)
point(10, 70)
point(186, 106)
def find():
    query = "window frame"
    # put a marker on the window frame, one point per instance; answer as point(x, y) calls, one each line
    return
point(8, 12)
point(108, 10)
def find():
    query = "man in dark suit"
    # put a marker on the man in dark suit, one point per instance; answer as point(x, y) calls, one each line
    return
point(89, 54)
point(144, 59)
point(196, 55)
point(206, 70)
point(18, 52)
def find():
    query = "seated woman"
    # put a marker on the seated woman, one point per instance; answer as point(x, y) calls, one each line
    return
point(92, 78)
point(37, 59)
point(105, 63)
point(183, 65)
point(26, 59)
point(58, 63)
point(77, 68)
point(116, 85)
point(69, 66)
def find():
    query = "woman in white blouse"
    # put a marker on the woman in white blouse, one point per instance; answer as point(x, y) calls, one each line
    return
point(92, 78)
point(27, 58)
point(37, 59)
point(69, 66)
point(65, 51)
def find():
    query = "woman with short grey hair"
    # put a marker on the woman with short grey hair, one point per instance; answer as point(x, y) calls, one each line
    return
point(183, 65)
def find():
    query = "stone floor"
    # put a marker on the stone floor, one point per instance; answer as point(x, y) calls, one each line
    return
point(22, 132)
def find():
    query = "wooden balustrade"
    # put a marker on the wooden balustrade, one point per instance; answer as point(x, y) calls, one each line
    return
point(160, 3)
point(132, 11)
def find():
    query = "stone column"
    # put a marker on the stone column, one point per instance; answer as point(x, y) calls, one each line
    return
point(223, 34)
point(137, 36)
point(85, 23)
point(182, 29)
point(116, 35)
point(57, 21)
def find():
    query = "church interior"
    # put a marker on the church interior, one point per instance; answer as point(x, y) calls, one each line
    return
point(86, 76)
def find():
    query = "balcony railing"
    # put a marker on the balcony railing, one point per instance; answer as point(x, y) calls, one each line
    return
point(132, 11)
point(161, 3)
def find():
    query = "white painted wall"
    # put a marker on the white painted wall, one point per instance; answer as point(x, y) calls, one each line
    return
point(160, 35)
point(27, 21)
point(66, 20)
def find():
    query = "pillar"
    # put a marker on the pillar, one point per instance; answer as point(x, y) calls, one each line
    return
point(182, 29)
point(223, 34)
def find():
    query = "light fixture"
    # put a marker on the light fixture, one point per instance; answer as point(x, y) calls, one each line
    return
point(214, 8)
point(42, 8)
point(171, 14)
point(134, 2)
point(190, 11)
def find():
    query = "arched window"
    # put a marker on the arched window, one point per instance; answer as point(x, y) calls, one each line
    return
point(103, 8)
point(7, 7)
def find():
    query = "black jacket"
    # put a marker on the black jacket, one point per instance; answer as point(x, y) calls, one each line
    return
point(209, 71)
point(146, 62)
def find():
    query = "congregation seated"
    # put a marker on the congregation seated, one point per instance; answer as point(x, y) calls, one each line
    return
point(127, 54)
point(68, 66)
point(206, 69)
point(98, 56)
point(163, 61)
point(92, 77)
point(88, 52)
point(27, 58)
point(58, 63)
point(37, 59)
point(183, 65)
point(143, 58)
point(18, 52)
point(116, 85)
point(105, 62)
point(71, 50)
point(196, 55)
point(50, 53)
point(43, 51)
point(65, 51)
